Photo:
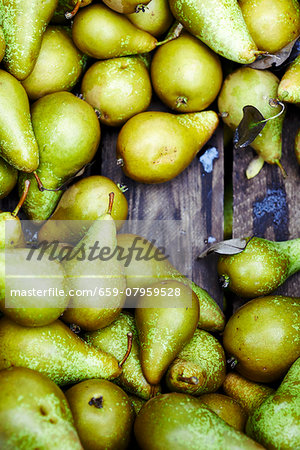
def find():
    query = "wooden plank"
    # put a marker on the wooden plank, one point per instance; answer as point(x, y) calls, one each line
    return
point(268, 205)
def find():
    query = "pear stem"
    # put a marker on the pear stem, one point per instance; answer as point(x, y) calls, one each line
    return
point(284, 174)
point(189, 380)
point(111, 202)
point(129, 345)
point(70, 15)
point(173, 34)
point(22, 199)
point(40, 184)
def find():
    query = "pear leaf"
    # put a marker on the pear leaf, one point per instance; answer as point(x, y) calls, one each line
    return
point(249, 128)
point(267, 60)
point(228, 247)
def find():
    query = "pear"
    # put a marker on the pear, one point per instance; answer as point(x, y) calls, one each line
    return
point(103, 414)
point(288, 89)
point(262, 339)
point(18, 144)
point(248, 394)
point(103, 34)
point(227, 408)
point(219, 24)
point(8, 178)
point(24, 22)
point(68, 134)
point(152, 266)
point(137, 403)
point(34, 413)
point(125, 6)
point(186, 75)
point(260, 268)
point(55, 351)
point(254, 87)
point(67, 9)
point(58, 66)
point(163, 332)
point(275, 424)
point(118, 88)
point(17, 299)
point(2, 44)
point(155, 18)
point(199, 368)
point(84, 201)
point(112, 339)
point(297, 146)
point(273, 24)
point(100, 276)
point(178, 421)
point(155, 146)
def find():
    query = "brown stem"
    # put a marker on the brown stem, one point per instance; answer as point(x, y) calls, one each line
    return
point(111, 202)
point(129, 345)
point(189, 380)
point(174, 33)
point(40, 184)
point(22, 199)
point(70, 15)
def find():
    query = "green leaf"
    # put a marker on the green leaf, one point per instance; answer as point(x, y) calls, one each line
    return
point(249, 128)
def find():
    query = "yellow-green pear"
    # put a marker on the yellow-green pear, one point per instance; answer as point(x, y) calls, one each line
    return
point(125, 6)
point(18, 144)
point(58, 66)
point(227, 408)
point(117, 88)
point(24, 22)
point(289, 86)
point(137, 403)
point(103, 34)
point(186, 74)
point(273, 24)
point(156, 18)
point(155, 146)
point(8, 178)
point(2, 44)
point(220, 25)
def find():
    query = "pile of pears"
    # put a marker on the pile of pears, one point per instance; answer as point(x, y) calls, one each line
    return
point(173, 372)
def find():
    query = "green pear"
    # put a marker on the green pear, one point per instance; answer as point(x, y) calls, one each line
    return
point(220, 25)
point(103, 34)
point(248, 394)
point(254, 87)
point(262, 337)
point(289, 86)
point(99, 275)
point(68, 134)
point(260, 268)
point(227, 408)
point(297, 146)
point(112, 339)
point(275, 424)
point(16, 301)
point(8, 178)
point(58, 66)
point(2, 44)
point(156, 18)
point(125, 6)
point(118, 88)
point(155, 146)
point(34, 413)
point(145, 271)
point(178, 421)
point(163, 329)
point(137, 403)
point(67, 9)
point(273, 24)
point(55, 351)
point(199, 368)
point(24, 22)
point(186, 75)
point(102, 413)
point(18, 144)
point(83, 201)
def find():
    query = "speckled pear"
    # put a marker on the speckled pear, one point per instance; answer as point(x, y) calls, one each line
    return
point(34, 413)
point(18, 144)
point(155, 147)
point(2, 44)
point(55, 351)
point(136, 402)
point(102, 413)
point(156, 18)
point(8, 178)
point(68, 134)
point(260, 268)
point(178, 421)
point(199, 368)
point(248, 394)
point(219, 24)
point(275, 424)
point(113, 340)
point(24, 22)
point(102, 34)
point(289, 86)
point(227, 408)
point(164, 329)
point(262, 337)
point(126, 6)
